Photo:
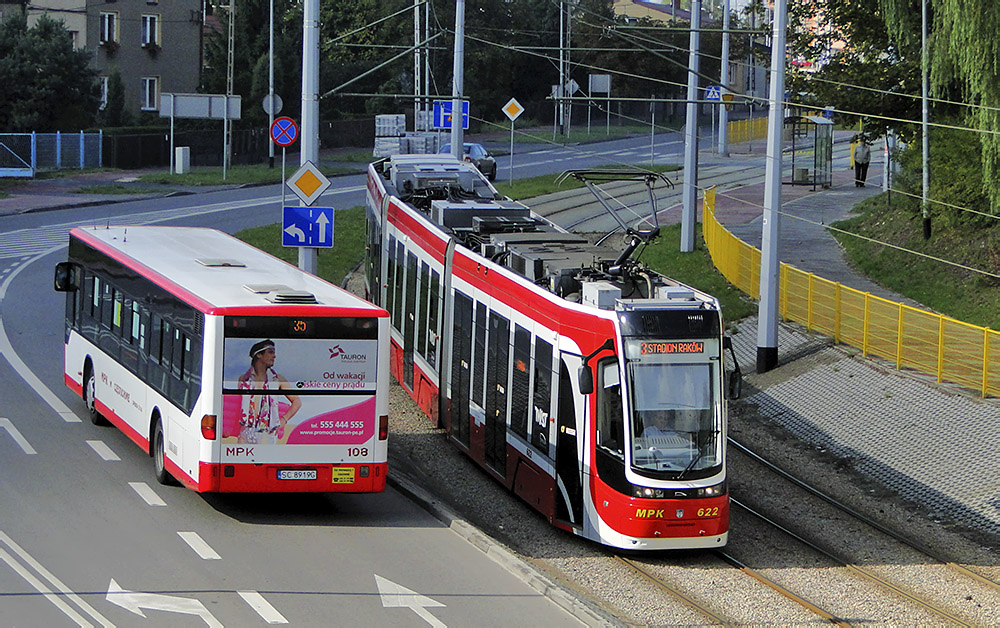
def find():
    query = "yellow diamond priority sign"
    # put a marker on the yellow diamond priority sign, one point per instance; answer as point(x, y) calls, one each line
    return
point(308, 183)
point(513, 109)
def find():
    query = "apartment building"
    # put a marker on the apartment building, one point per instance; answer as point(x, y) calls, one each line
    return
point(155, 45)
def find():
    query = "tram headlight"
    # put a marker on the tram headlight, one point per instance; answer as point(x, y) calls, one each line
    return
point(713, 491)
point(646, 492)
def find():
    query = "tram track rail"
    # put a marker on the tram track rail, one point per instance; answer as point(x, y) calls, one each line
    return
point(901, 538)
point(642, 569)
point(901, 591)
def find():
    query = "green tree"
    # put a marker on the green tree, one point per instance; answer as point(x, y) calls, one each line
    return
point(114, 113)
point(862, 71)
point(963, 55)
point(251, 46)
point(47, 84)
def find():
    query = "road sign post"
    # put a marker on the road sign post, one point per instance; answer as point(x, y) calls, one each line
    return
point(284, 132)
point(442, 114)
point(307, 227)
point(714, 93)
point(512, 109)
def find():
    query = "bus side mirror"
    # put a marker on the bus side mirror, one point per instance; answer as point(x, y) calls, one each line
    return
point(586, 379)
point(65, 277)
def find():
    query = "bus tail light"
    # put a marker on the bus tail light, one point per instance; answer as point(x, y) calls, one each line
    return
point(208, 427)
point(383, 427)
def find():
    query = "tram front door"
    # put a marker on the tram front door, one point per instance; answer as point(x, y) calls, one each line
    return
point(569, 483)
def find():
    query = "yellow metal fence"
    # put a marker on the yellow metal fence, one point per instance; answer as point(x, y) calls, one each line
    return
point(746, 130)
point(942, 347)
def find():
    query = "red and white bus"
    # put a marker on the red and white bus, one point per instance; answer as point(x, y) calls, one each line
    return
point(234, 370)
point(589, 385)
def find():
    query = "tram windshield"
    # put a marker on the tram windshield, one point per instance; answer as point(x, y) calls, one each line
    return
point(674, 425)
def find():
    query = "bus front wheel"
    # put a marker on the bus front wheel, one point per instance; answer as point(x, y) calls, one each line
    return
point(159, 460)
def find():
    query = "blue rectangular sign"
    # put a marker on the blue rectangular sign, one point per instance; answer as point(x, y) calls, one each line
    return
point(310, 227)
point(442, 114)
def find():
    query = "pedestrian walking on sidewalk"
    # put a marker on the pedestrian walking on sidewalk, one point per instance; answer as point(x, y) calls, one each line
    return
point(862, 157)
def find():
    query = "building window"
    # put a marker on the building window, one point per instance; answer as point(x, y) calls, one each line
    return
point(150, 93)
point(104, 92)
point(150, 30)
point(109, 27)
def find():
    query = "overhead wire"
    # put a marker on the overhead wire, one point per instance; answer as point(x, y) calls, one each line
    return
point(523, 50)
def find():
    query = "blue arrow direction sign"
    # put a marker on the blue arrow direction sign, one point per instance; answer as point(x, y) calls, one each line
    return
point(310, 227)
point(442, 114)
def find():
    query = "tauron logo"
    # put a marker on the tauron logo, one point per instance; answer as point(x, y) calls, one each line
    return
point(337, 351)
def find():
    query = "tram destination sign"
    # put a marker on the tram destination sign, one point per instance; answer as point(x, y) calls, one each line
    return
point(659, 348)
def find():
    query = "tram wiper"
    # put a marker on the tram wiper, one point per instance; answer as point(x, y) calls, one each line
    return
point(687, 469)
point(680, 476)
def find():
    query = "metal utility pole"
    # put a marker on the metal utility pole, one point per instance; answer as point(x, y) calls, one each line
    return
point(724, 81)
point(226, 124)
point(568, 86)
point(561, 91)
point(308, 258)
point(924, 120)
point(270, 85)
point(767, 315)
point(690, 192)
point(418, 104)
point(457, 136)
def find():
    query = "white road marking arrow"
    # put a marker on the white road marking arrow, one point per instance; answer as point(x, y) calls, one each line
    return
point(322, 221)
point(397, 596)
point(296, 233)
point(8, 425)
point(135, 601)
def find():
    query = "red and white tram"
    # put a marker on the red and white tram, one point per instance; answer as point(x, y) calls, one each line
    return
point(590, 386)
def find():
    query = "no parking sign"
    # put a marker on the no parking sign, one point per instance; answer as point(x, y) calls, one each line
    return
point(284, 131)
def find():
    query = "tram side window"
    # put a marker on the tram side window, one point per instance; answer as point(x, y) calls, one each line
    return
point(424, 294)
point(433, 306)
point(479, 357)
point(520, 379)
point(610, 424)
point(410, 290)
point(461, 357)
point(541, 396)
point(390, 291)
point(398, 282)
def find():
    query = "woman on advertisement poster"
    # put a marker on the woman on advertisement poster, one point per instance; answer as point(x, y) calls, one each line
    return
point(261, 420)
